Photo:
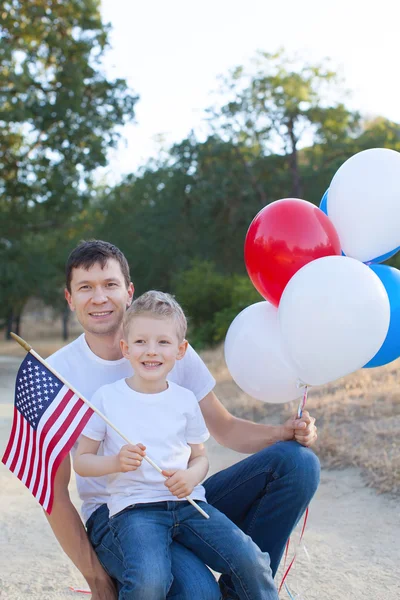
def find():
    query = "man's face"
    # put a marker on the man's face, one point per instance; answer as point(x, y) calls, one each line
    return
point(99, 297)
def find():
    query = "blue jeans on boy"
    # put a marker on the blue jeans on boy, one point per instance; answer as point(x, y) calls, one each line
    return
point(144, 533)
point(264, 494)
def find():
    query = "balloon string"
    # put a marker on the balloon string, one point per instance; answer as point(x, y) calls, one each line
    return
point(294, 557)
point(289, 594)
point(302, 403)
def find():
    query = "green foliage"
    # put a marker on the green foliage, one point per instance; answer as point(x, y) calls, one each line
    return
point(279, 104)
point(211, 300)
point(182, 219)
point(243, 294)
point(59, 114)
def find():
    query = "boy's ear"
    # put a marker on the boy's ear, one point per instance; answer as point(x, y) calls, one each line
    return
point(124, 348)
point(182, 349)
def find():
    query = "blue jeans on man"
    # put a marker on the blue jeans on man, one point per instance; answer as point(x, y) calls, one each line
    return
point(264, 494)
point(144, 533)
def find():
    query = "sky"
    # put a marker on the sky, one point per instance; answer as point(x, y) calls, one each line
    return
point(172, 51)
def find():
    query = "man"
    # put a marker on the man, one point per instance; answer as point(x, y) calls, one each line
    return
point(265, 494)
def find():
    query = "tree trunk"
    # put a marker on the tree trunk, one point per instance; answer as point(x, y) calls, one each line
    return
point(9, 326)
point(65, 323)
point(17, 324)
point(293, 163)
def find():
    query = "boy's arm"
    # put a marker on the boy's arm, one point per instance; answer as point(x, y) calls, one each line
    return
point(71, 535)
point(88, 464)
point(181, 483)
point(198, 462)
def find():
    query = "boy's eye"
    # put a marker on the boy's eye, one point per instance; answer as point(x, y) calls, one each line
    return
point(139, 341)
point(164, 342)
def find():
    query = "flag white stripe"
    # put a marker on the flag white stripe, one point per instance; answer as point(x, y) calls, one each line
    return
point(60, 445)
point(36, 473)
point(15, 443)
point(28, 451)
point(46, 440)
point(22, 446)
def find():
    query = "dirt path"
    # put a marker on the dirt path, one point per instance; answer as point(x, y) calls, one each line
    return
point(352, 538)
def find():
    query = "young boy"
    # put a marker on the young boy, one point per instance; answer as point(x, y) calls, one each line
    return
point(148, 511)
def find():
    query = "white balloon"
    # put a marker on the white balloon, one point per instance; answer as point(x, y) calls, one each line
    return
point(334, 316)
point(254, 355)
point(364, 203)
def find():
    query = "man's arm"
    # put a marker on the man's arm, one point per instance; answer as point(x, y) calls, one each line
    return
point(70, 533)
point(249, 437)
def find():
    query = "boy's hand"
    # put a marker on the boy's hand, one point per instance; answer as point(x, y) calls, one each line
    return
point(130, 457)
point(180, 483)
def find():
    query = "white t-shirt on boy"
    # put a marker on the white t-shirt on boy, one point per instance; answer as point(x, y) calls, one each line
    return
point(87, 372)
point(165, 422)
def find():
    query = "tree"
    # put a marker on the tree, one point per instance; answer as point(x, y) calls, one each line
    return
point(278, 106)
point(59, 114)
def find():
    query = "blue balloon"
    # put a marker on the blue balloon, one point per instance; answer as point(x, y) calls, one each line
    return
point(390, 349)
point(324, 207)
point(384, 257)
point(324, 202)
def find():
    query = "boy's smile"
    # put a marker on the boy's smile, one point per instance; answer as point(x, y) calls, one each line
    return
point(152, 348)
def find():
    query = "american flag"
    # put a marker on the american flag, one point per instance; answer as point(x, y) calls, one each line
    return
point(48, 419)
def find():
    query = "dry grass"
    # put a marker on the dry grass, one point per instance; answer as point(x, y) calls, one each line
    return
point(358, 419)
point(358, 416)
point(43, 334)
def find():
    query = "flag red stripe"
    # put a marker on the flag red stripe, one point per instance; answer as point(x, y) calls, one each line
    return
point(64, 453)
point(61, 431)
point(11, 440)
point(42, 435)
point(28, 480)
point(27, 438)
point(19, 443)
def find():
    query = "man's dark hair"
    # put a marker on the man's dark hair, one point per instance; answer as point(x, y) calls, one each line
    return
point(88, 253)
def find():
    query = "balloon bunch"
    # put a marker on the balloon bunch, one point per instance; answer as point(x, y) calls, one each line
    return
point(329, 307)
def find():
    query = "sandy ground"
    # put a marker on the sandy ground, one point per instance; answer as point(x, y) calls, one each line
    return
point(351, 548)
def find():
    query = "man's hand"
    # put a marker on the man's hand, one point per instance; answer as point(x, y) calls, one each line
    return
point(104, 589)
point(181, 483)
point(302, 430)
point(130, 457)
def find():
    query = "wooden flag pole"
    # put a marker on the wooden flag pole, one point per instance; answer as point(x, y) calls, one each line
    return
point(29, 349)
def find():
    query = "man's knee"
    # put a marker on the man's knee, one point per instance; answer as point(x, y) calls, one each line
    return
point(291, 458)
point(301, 462)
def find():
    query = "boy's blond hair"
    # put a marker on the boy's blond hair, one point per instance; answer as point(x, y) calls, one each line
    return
point(159, 305)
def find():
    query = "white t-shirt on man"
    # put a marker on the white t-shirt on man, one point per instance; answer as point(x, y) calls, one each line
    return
point(165, 422)
point(87, 372)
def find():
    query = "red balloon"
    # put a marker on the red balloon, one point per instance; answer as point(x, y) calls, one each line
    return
point(282, 238)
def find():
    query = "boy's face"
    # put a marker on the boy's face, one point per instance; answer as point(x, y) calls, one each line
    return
point(152, 347)
point(99, 297)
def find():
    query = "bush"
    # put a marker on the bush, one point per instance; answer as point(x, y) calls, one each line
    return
point(211, 300)
point(243, 294)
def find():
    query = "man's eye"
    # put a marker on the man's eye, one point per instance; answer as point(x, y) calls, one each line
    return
point(84, 287)
point(111, 284)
